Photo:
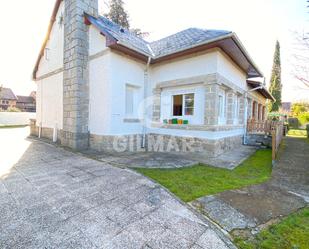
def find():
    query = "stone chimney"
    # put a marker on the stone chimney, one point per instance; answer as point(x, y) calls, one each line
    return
point(75, 132)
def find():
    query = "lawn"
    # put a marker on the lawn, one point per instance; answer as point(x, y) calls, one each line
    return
point(291, 233)
point(200, 180)
point(297, 133)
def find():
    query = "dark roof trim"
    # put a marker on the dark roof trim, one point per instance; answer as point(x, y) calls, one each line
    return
point(110, 40)
point(50, 26)
point(236, 52)
point(246, 54)
point(262, 91)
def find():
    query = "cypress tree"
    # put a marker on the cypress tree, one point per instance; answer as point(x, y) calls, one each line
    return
point(275, 87)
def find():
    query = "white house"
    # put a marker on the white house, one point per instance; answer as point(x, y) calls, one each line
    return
point(99, 84)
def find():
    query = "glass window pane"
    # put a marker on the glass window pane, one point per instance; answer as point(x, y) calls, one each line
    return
point(189, 104)
point(177, 105)
point(129, 100)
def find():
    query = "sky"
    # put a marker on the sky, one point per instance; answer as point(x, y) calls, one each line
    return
point(258, 24)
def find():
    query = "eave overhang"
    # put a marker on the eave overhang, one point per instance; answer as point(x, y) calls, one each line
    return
point(263, 91)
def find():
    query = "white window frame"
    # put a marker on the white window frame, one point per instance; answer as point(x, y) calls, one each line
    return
point(183, 105)
point(134, 90)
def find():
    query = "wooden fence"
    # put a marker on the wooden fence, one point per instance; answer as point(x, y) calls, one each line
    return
point(260, 126)
point(268, 127)
point(276, 137)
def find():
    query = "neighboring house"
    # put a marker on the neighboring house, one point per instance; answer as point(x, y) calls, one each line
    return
point(33, 95)
point(7, 98)
point(286, 107)
point(26, 103)
point(93, 77)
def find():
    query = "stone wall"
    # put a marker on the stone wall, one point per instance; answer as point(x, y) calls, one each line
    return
point(167, 143)
point(163, 143)
point(259, 139)
point(211, 104)
point(75, 75)
point(116, 143)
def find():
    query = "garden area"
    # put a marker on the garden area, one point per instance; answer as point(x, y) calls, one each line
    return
point(200, 180)
point(291, 233)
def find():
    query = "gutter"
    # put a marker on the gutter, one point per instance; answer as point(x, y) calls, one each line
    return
point(146, 82)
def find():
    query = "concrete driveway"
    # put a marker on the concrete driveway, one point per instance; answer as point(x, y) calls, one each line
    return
point(255, 207)
point(52, 198)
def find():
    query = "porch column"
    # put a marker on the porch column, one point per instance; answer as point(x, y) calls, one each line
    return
point(230, 100)
point(249, 110)
point(259, 112)
point(211, 112)
point(156, 110)
point(264, 113)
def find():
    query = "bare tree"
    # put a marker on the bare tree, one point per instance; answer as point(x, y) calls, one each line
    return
point(301, 57)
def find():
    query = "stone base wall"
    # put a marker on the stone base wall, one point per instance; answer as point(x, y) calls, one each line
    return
point(259, 139)
point(116, 143)
point(211, 147)
point(153, 142)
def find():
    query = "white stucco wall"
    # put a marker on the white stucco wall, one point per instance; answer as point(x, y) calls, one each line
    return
point(97, 42)
point(49, 101)
point(126, 71)
point(54, 59)
point(185, 68)
point(228, 69)
point(109, 74)
point(100, 89)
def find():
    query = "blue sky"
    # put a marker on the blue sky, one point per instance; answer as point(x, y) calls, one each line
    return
point(258, 23)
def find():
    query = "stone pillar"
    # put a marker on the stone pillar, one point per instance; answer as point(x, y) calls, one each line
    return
point(156, 105)
point(211, 114)
point(230, 100)
point(75, 75)
point(241, 110)
point(249, 108)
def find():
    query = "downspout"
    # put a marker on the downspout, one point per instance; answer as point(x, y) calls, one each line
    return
point(145, 104)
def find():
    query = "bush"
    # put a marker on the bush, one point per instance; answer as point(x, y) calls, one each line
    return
point(13, 109)
point(303, 118)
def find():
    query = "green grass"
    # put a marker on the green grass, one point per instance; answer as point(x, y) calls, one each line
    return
point(297, 133)
point(291, 233)
point(11, 126)
point(200, 180)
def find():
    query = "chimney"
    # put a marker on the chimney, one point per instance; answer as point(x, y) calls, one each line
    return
point(75, 76)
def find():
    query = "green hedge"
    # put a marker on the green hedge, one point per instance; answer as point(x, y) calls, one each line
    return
point(303, 118)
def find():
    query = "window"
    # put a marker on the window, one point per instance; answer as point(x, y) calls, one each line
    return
point(183, 105)
point(236, 109)
point(221, 106)
point(129, 100)
point(177, 105)
point(189, 104)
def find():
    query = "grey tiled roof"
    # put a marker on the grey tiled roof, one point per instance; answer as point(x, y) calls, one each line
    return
point(184, 40)
point(24, 99)
point(122, 34)
point(177, 42)
point(7, 93)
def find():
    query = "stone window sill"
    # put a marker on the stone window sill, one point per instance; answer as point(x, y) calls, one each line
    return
point(132, 120)
point(197, 127)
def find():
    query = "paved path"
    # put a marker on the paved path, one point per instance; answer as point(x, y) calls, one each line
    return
point(228, 160)
point(52, 198)
point(253, 207)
